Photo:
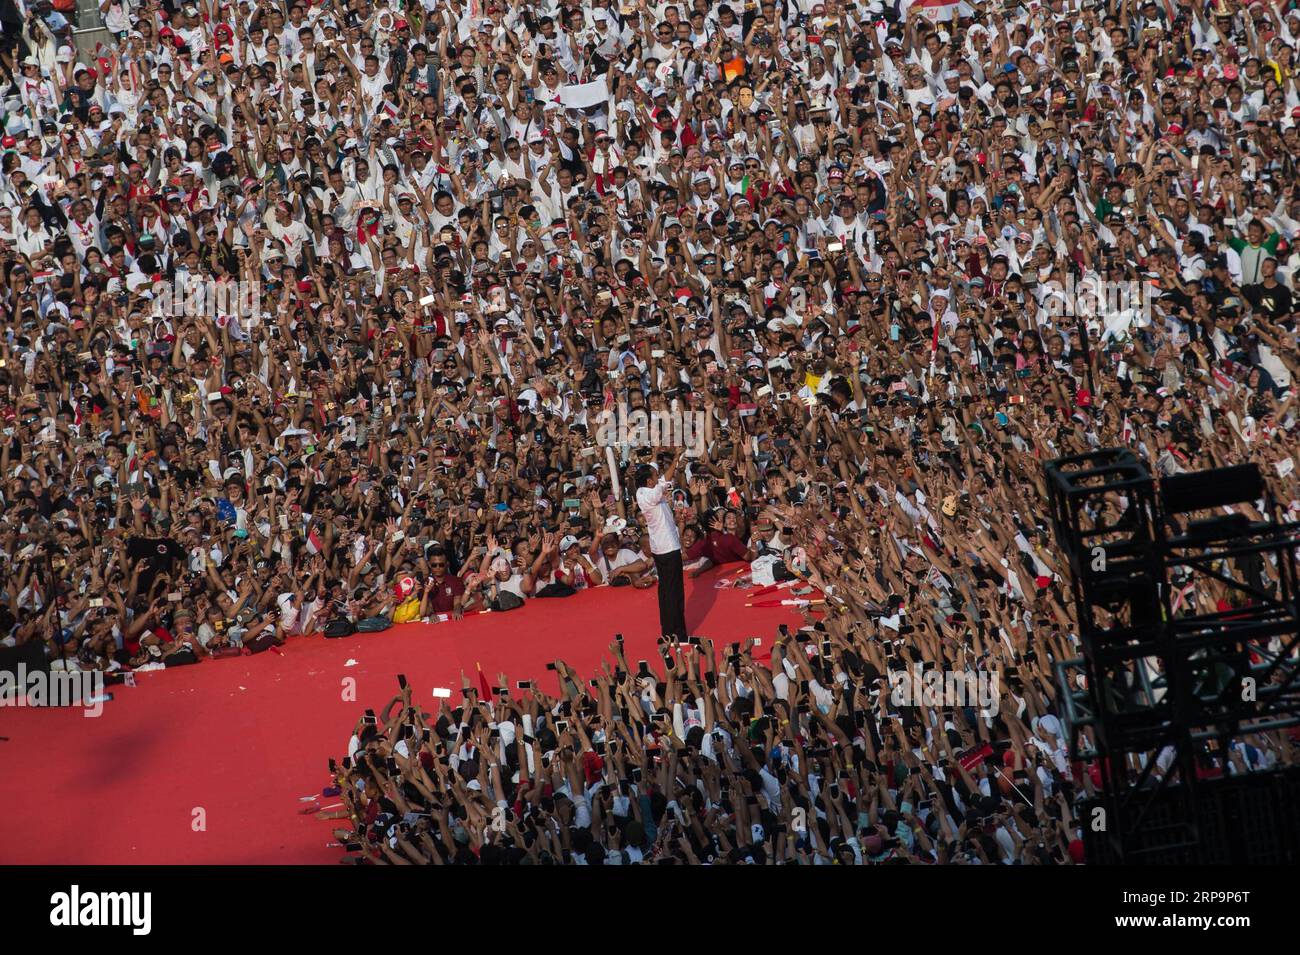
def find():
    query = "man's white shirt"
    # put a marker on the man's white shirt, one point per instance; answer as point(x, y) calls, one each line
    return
point(656, 506)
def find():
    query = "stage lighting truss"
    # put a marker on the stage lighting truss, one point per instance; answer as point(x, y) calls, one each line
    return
point(1165, 687)
point(1242, 653)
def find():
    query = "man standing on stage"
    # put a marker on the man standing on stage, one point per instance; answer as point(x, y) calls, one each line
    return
point(654, 498)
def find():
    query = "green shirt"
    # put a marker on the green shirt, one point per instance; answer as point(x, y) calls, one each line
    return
point(1253, 256)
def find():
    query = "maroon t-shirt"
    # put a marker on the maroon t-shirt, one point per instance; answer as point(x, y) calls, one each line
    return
point(444, 598)
point(724, 548)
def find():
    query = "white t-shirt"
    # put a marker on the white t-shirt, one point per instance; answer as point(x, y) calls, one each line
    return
point(621, 559)
point(656, 506)
point(293, 235)
point(512, 585)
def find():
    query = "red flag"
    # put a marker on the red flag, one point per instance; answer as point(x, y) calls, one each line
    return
point(974, 758)
point(484, 688)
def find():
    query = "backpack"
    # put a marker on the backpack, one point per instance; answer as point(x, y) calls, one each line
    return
point(556, 589)
point(339, 627)
point(506, 600)
point(182, 657)
point(373, 624)
point(261, 643)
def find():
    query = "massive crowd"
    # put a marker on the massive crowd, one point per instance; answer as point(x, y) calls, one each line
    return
point(311, 310)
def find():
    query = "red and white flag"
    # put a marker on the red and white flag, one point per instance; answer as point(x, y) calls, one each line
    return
point(935, 10)
point(972, 759)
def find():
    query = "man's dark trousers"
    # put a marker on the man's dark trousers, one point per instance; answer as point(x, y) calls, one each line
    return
point(672, 595)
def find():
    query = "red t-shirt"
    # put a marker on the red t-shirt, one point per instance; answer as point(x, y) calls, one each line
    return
point(444, 598)
point(724, 548)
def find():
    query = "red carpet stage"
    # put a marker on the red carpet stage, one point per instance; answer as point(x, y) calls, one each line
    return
point(206, 764)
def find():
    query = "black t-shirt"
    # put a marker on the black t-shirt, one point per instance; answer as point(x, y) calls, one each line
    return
point(52, 505)
point(158, 552)
point(1272, 302)
point(78, 102)
point(186, 477)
